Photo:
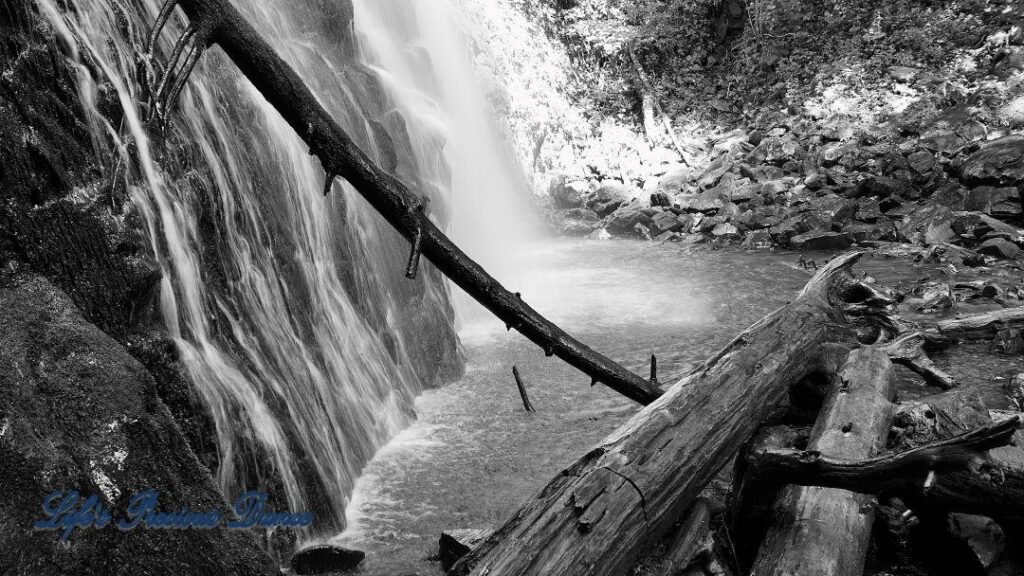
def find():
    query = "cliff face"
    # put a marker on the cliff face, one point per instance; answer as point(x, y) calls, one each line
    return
point(79, 413)
point(81, 283)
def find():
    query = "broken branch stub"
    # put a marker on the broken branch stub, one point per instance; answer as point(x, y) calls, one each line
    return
point(218, 22)
point(965, 452)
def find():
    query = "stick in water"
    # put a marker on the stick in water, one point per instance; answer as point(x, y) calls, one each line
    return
point(522, 390)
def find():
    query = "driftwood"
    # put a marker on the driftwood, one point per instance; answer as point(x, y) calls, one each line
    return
point(217, 22)
point(522, 390)
point(908, 350)
point(826, 531)
point(981, 326)
point(597, 515)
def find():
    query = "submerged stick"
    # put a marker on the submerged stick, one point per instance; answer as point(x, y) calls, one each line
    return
point(221, 24)
point(522, 390)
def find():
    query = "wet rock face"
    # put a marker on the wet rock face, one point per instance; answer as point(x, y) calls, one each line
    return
point(999, 162)
point(77, 412)
point(47, 156)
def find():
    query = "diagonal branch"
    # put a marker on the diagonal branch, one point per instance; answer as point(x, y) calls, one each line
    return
point(221, 24)
point(872, 476)
point(908, 350)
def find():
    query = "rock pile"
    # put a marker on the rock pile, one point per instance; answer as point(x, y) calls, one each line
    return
point(800, 188)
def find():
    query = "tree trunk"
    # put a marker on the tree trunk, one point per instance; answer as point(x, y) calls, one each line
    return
point(596, 516)
point(826, 531)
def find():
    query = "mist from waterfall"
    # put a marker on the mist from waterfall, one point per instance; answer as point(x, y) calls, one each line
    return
point(290, 311)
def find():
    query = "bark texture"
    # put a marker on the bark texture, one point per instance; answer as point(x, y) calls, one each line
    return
point(826, 531)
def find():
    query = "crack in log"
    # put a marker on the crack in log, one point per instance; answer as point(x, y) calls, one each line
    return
point(643, 500)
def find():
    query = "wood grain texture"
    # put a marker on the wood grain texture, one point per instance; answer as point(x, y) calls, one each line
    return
point(826, 531)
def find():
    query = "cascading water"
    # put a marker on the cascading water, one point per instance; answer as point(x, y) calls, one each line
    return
point(291, 311)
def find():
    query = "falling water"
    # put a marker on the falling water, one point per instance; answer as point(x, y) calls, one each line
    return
point(290, 311)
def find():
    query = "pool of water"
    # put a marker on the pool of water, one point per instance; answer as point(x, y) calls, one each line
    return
point(474, 454)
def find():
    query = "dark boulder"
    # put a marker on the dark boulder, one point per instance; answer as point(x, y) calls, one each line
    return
point(799, 224)
point(1001, 202)
point(608, 198)
point(1000, 248)
point(821, 241)
point(998, 163)
point(868, 210)
point(922, 162)
point(80, 413)
point(325, 558)
point(664, 222)
point(714, 172)
point(661, 199)
point(624, 221)
point(875, 186)
point(707, 202)
point(951, 195)
point(927, 226)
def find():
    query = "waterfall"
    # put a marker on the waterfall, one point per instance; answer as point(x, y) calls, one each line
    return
point(290, 311)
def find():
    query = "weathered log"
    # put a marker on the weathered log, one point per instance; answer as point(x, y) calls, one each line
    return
point(751, 499)
point(217, 22)
point(596, 516)
point(965, 451)
point(908, 350)
point(826, 531)
point(995, 490)
point(982, 326)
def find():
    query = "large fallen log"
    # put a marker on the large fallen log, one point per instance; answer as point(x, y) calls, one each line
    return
point(982, 326)
point(826, 531)
point(217, 22)
point(596, 516)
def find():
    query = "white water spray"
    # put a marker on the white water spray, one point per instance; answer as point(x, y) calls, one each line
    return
point(290, 311)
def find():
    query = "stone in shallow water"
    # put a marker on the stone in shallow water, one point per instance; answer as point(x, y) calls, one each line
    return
point(325, 558)
point(821, 241)
point(1001, 248)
